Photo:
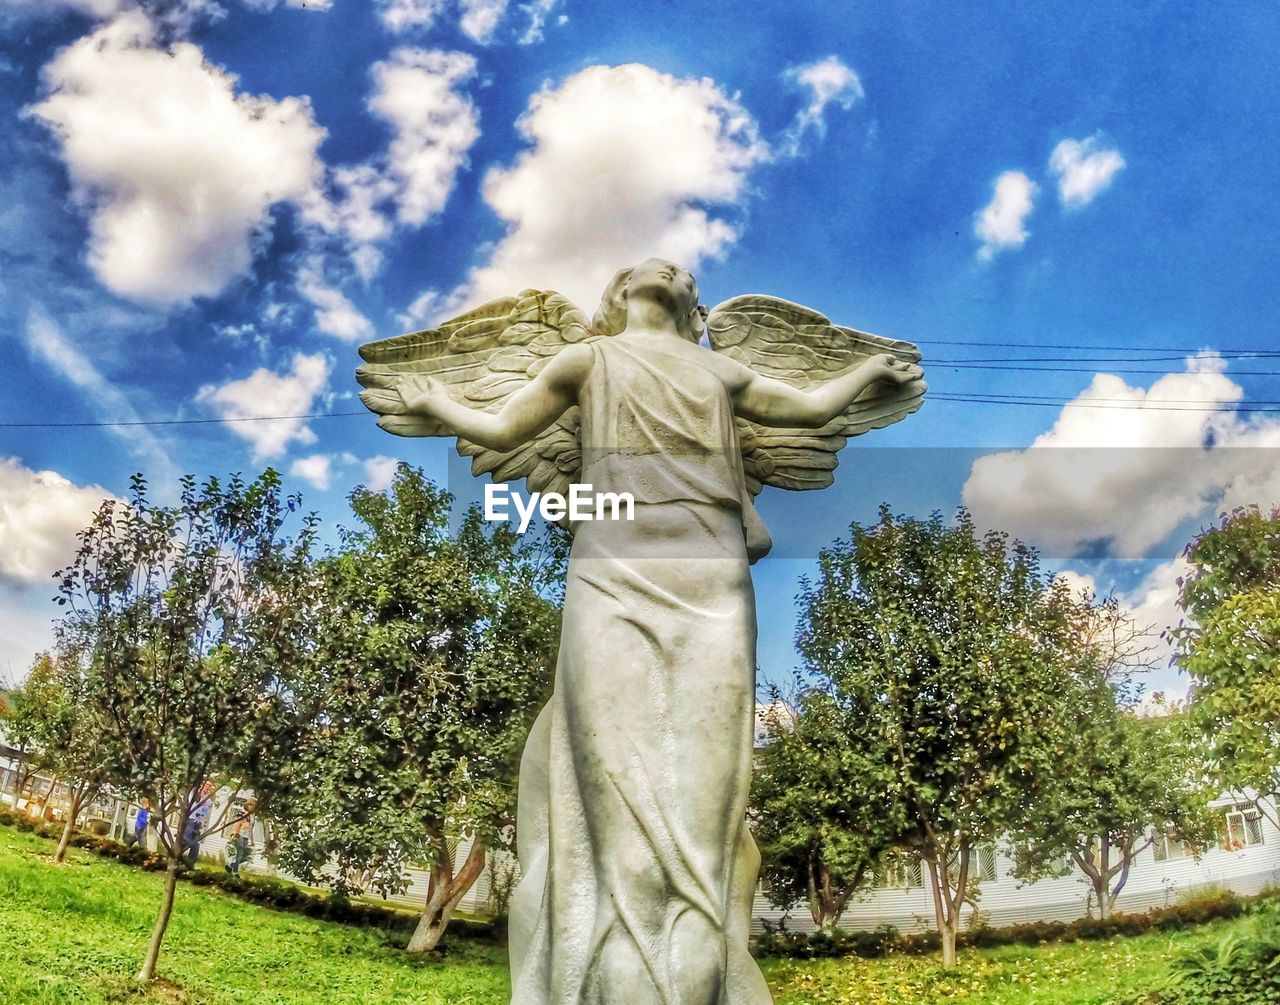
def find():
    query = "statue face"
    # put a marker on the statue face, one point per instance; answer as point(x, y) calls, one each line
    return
point(665, 282)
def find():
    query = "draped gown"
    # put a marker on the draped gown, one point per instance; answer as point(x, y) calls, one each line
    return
point(637, 866)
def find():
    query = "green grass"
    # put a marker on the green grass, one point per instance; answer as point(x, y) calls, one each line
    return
point(76, 933)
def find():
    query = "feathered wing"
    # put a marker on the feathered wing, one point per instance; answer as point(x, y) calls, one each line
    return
point(803, 348)
point(483, 358)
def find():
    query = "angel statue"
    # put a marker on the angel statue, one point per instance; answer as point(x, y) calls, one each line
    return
point(637, 867)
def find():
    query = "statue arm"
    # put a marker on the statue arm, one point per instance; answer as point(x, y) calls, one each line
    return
point(528, 412)
point(773, 402)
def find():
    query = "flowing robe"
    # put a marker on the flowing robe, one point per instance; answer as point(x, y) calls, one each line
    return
point(637, 866)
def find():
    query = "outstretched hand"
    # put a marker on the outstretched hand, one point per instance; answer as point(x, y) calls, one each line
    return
point(888, 368)
point(420, 392)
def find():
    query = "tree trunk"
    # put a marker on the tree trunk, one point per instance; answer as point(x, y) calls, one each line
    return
point(948, 934)
point(1104, 902)
point(443, 895)
point(70, 825)
point(78, 800)
point(148, 971)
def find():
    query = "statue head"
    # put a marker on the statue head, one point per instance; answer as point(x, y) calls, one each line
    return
point(661, 280)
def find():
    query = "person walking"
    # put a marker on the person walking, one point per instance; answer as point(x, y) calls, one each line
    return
point(194, 829)
point(140, 822)
point(240, 849)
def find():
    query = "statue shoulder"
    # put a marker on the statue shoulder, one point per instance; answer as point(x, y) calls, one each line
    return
point(571, 365)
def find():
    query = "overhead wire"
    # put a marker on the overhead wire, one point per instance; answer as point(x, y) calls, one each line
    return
point(1017, 364)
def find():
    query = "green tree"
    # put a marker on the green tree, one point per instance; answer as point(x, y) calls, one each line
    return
point(944, 645)
point(1122, 783)
point(816, 808)
point(1125, 783)
point(191, 616)
point(433, 651)
point(1229, 642)
point(65, 731)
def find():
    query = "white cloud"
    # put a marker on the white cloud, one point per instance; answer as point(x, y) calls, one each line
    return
point(178, 170)
point(335, 314)
point(380, 472)
point(827, 81)
point(48, 344)
point(480, 18)
point(317, 470)
point(1118, 480)
point(537, 11)
point(267, 393)
point(1083, 170)
point(404, 15)
point(40, 513)
point(417, 92)
point(1001, 224)
point(94, 8)
point(624, 163)
point(312, 5)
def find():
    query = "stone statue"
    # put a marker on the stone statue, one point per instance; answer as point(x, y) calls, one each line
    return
point(638, 869)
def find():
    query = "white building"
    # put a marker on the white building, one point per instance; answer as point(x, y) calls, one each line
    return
point(1160, 875)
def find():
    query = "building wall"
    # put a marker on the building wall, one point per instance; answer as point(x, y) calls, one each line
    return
point(1003, 901)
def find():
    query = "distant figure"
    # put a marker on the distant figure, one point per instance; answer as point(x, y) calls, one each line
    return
point(240, 850)
point(139, 835)
point(194, 829)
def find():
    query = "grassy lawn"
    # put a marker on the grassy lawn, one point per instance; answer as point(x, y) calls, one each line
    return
point(76, 933)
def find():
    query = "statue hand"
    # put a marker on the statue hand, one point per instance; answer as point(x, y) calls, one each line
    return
point(892, 370)
point(420, 393)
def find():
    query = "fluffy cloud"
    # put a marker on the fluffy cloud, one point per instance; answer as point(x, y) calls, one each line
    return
point(403, 15)
point(1116, 481)
point(94, 8)
point(314, 5)
point(417, 92)
point(1001, 224)
point(827, 81)
point(624, 163)
point(265, 392)
point(316, 470)
point(379, 472)
point(1083, 170)
point(40, 513)
point(335, 314)
point(179, 171)
point(480, 18)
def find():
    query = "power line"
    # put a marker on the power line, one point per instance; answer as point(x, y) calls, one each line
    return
point(1093, 403)
point(175, 422)
point(1088, 348)
point(1068, 369)
point(1095, 359)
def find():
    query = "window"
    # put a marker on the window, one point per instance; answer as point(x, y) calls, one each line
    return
point(900, 875)
point(1243, 827)
point(1166, 848)
point(982, 863)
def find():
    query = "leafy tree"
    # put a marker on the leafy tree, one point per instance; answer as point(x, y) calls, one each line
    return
point(20, 719)
point(944, 647)
point(1124, 784)
point(191, 617)
point(816, 808)
point(1230, 644)
point(432, 653)
point(64, 730)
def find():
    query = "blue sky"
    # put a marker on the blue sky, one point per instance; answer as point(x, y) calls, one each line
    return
point(206, 206)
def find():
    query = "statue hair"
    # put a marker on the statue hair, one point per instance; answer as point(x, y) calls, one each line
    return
point(611, 315)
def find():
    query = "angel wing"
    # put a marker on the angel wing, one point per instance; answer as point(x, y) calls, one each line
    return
point(803, 348)
point(484, 357)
